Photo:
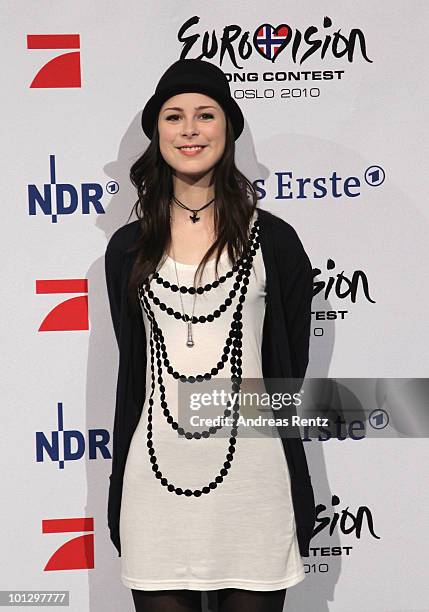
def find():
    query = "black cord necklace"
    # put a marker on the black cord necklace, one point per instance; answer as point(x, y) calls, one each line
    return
point(194, 212)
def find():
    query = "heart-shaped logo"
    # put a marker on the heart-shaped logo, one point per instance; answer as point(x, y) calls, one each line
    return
point(270, 41)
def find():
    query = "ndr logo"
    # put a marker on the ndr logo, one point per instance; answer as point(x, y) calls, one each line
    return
point(70, 444)
point(64, 199)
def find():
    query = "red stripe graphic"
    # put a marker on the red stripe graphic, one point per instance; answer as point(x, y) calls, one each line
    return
point(53, 41)
point(62, 285)
point(67, 525)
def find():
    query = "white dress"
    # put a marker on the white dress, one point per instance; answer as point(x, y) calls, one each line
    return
point(242, 534)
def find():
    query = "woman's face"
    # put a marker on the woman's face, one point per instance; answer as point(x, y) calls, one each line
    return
point(191, 119)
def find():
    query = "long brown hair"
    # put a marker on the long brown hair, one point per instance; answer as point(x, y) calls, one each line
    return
point(234, 205)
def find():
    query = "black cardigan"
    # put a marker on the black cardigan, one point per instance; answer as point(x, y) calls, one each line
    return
point(285, 343)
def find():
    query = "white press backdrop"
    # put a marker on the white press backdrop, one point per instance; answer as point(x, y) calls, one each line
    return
point(356, 123)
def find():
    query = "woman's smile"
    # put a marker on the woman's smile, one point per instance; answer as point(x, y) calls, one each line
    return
point(191, 151)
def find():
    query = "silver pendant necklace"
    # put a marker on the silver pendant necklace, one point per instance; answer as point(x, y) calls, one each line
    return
point(189, 338)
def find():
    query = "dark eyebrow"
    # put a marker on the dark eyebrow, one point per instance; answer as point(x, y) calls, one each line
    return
point(177, 108)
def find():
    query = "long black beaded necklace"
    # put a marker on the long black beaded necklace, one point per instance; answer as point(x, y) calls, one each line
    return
point(244, 270)
point(235, 338)
point(247, 264)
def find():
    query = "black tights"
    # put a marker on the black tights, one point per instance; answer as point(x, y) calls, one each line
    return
point(229, 600)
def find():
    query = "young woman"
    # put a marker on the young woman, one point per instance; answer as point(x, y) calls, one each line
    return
point(204, 286)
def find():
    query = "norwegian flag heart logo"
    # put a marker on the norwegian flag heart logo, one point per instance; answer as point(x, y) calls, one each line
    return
point(270, 41)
